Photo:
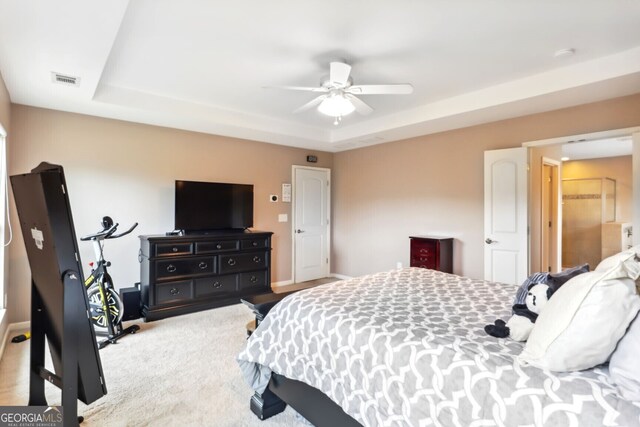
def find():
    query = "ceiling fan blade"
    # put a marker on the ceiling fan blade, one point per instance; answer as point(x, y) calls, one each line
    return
point(339, 73)
point(361, 106)
point(302, 88)
point(311, 104)
point(393, 89)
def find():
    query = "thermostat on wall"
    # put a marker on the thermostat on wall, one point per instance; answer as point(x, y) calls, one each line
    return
point(286, 192)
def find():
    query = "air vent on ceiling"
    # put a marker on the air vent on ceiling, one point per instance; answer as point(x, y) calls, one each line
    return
point(65, 79)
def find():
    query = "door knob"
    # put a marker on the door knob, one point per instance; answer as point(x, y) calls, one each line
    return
point(488, 241)
point(299, 231)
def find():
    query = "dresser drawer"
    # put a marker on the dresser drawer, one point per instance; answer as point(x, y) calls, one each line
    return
point(173, 292)
point(433, 252)
point(424, 262)
point(185, 267)
point(242, 262)
point(215, 246)
point(216, 285)
point(423, 248)
point(252, 279)
point(173, 249)
point(256, 243)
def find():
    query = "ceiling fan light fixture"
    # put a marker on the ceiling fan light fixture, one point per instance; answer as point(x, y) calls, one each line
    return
point(336, 106)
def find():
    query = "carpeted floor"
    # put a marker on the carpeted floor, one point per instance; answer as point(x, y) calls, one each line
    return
point(174, 372)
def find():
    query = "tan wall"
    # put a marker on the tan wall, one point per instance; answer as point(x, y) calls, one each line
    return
point(434, 184)
point(5, 120)
point(127, 171)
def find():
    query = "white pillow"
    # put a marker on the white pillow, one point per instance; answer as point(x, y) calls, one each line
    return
point(613, 260)
point(624, 367)
point(584, 320)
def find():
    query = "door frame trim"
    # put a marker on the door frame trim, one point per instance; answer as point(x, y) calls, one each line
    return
point(295, 168)
point(558, 211)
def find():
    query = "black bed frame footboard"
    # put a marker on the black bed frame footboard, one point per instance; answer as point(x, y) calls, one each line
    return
point(308, 401)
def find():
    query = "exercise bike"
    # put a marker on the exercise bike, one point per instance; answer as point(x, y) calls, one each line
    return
point(105, 305)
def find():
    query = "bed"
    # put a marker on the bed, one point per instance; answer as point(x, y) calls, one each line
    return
point(407, 347)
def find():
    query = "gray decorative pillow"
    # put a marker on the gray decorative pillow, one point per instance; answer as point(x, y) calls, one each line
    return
point(556, 280)
point(624, 367)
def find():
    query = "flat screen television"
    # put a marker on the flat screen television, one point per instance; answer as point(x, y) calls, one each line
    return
point(204, 206)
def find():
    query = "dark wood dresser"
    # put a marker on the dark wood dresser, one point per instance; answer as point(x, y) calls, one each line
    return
point(183, 274)
point(432, 252)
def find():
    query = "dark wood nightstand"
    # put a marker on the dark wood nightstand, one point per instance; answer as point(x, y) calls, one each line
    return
point(432, 252)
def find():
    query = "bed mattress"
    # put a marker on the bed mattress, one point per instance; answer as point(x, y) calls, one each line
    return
point(407, 347)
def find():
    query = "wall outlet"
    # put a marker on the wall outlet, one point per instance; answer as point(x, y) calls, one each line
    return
point(398, 265)
point(273, 198)
point(283, 217)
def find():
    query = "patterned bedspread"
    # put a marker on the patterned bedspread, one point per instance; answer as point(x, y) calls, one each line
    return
point(407, 347)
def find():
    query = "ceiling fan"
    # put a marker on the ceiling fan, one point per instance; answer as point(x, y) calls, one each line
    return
point(339, 98)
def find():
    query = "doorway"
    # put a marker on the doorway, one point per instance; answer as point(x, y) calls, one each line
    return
point(595, 181)
point(311, 223)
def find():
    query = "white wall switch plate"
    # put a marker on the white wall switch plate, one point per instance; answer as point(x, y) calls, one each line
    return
point(283, 218)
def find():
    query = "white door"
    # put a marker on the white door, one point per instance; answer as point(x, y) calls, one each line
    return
point(506, 255)
point(310, 223)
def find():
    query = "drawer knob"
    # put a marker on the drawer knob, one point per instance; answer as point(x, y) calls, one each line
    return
point(217, 285)
point(424, 251)
point(202, 265)
point(254, 243)
point(253, 279)
point(174, 249)
point(257, 259)
point(174, 291)
point(218, 246)
point(231, 261)
point(171, 268)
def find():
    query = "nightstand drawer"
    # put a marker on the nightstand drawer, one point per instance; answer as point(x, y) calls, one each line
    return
point(216, 285)
point(242, 262)
point(222, 245)
point(435, 253)
point(185, 267)
point(424, 262)
point(423, 248)
point(173, 292)
point(173, 249)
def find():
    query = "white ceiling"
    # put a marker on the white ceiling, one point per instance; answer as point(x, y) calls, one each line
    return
point(609, 147)
point(202, 65)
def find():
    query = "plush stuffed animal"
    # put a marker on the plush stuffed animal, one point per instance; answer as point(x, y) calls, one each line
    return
point(519, 326)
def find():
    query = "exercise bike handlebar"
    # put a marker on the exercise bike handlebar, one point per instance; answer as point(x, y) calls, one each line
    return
point(101, 234)
point(108, 233)
point(115, 236)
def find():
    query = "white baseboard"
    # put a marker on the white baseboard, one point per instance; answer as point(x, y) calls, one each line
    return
point(12, 327)
point(341, 276)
